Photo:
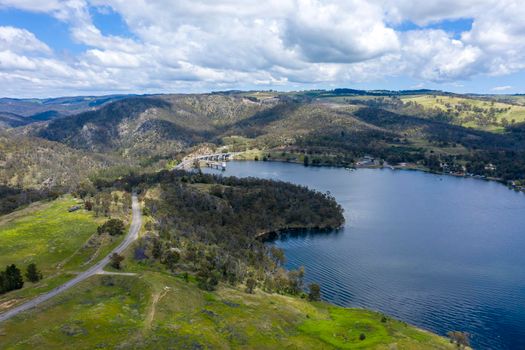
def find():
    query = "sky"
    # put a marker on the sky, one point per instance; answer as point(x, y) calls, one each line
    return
point(52, 48)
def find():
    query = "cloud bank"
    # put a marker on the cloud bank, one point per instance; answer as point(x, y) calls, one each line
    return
point(199, 45)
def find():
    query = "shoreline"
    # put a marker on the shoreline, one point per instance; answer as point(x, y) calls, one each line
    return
point(267, 236)
point(388, 166)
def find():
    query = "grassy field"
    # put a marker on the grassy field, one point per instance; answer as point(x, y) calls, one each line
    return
point(506, 111)
point(154, 310)
point(59, 242)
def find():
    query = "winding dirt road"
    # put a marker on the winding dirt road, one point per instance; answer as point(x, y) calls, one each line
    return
point(133, 233)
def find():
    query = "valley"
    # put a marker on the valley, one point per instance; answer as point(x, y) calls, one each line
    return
point(198, 251)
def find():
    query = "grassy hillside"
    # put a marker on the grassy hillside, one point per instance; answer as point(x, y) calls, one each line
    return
point(59, 242)
point(473, 113)
point(155, 310)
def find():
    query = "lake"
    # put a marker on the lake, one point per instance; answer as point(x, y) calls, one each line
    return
point(439, 252)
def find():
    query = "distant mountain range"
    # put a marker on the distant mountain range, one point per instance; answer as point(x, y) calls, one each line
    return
point(18, 112)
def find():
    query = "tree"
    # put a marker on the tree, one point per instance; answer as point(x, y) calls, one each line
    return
point(207, 276)
point(250, 285)
point(32, 273)
point(185, 277)
point(171, 258)
point(114, 227)
point(306, 161)
point(3, 282)
point(461, 339)
point(278, 255)
point(126, 200)
point(11, 279)
point(115, 260)
point(88, 205)
point(315, 292)
point(105, 203)
point(295, 280)
point(84, 189)
point(156, 248)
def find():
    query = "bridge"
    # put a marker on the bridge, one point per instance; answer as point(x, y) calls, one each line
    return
point(214, 160)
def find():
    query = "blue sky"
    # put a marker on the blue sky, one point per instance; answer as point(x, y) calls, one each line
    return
point(48, 29)
point(76, 47)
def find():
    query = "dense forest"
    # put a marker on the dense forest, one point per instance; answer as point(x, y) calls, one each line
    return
point(212, 225)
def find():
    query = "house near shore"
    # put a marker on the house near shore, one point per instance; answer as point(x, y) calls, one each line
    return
point(490, 167)
point(366, 161)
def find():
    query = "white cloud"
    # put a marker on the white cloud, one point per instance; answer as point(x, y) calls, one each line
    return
point(11, 61)
point(20, 40)
point(502, 88)
point(203, 45)
point(335, 33)
point(433, 56)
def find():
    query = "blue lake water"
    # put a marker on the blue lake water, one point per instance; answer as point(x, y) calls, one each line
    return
point(439, 252)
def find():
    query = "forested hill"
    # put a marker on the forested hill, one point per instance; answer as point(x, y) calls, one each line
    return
point(213, 223)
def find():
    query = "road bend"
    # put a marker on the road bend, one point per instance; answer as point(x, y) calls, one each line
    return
point(133, 233)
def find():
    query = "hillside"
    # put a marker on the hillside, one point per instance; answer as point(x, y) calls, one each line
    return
point(339, 127)
point(145, 127)
point(30, 162)
point(481, 114)
point(11, 120)
point(60, 242)
point(155, 310)
point(169, 298)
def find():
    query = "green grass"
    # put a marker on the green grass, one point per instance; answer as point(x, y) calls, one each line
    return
point(516, 113)
point(155, 310)
point(47, 234)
